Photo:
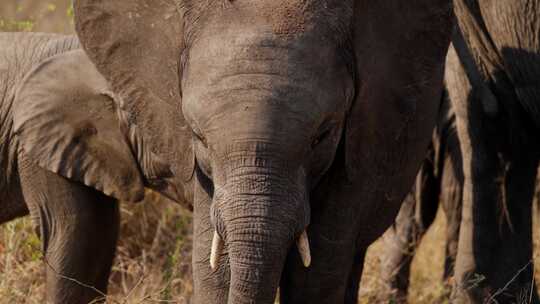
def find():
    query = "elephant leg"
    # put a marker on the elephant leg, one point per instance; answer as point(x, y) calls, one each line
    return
point(79, 229)
point(335, 270)
point(403, 238)
point(478, 228)
point(482, 170)
point(338, 237)
point(494, 259)
point(451, 202)
point(400, 243)
point(511, 274)
point(210, 286)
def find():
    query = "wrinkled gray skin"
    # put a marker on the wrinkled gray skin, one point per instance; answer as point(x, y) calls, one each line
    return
point(439, 182)
point(493, 79)
point(62, 147)
point(277, 116)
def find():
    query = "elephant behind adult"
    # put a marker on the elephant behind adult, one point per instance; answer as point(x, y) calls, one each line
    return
point(304, 120)
point(66, 156)
point(493, 76)
point(438, 183)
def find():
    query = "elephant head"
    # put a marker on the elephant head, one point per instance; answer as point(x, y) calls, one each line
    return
point(260, 98)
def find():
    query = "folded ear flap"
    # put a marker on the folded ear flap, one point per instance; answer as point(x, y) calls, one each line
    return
point(65, 123)
point(156, 171)
point(137, 45)
point(400, 49)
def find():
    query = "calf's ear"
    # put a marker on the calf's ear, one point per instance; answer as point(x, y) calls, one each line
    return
point(66, 122)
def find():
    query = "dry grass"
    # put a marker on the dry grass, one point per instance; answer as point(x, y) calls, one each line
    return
point(154, 260)
point(426, 273)
point(36, 15)
point(153, 263)
point(428, 266)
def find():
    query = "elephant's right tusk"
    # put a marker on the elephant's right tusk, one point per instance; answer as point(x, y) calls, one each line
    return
point(217, 247)
point(303, 248)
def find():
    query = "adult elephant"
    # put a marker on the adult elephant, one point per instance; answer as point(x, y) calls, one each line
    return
point(493, 78)
point(438, 183)
point(301, 119)
point(66, 157)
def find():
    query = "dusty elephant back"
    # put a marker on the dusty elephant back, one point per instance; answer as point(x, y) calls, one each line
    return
point(19, 54)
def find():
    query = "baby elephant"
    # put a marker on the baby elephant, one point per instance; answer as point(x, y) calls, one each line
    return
point(66, 158)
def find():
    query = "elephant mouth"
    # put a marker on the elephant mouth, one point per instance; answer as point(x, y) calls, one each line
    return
point(255, 244)
point(302, 244)
point(256, 216)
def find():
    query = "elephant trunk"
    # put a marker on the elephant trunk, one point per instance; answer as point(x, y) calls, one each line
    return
point(256, 253)
point(258, 226)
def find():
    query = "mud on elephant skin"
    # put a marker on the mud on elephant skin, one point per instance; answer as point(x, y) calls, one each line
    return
point(217, 87)
point(439, 183)
point(67, 156)
point(493, 77)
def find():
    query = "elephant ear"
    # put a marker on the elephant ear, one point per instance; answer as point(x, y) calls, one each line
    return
point(400, 49)
point(137, 45)
point(65, 124)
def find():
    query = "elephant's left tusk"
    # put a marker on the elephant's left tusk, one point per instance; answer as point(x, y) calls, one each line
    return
point(303, 248)
point(217, 247)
